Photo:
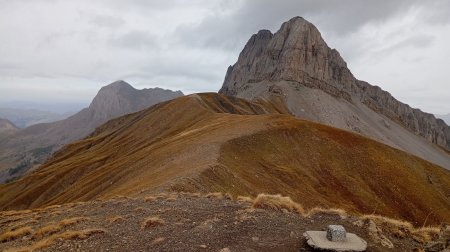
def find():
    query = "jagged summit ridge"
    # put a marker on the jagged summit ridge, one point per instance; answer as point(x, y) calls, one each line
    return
point(295, 52)
point(298, 54)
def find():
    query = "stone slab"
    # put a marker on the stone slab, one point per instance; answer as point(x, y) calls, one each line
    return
point(318, 240)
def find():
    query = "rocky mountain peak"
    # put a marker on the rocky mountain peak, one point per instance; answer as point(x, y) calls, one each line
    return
point(118, 85)
point(119, 98)
point(297, 54)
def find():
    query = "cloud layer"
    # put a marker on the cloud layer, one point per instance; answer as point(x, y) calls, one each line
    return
point(58, 51)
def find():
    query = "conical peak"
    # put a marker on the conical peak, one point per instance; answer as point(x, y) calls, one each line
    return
point(120, 84)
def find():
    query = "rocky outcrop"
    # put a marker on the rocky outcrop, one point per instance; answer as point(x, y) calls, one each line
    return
point(297, 53)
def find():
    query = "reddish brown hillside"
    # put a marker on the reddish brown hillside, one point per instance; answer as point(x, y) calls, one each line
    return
point(209, 142)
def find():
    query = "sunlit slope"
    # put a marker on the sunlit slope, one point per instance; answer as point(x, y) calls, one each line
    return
point(209, 142)
point(146, 150)
point(323, 166)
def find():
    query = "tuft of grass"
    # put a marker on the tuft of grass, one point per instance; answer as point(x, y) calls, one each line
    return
point(245, 199)
point(52, 207)
point(397, 228)
point(152, 222)
point(329, 211)
point(215, 195)
point(158, 240)
point(15, 234)
point(425, 234)
point(114, 219)
point(55, 228)
point(277, 203)
point(68, 235)
point(47, 230)
point(150, 198)
point(139, 209)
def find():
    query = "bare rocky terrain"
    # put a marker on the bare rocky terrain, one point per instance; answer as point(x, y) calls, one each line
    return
point(29, 147)
point(297, 65)
point(183, 222)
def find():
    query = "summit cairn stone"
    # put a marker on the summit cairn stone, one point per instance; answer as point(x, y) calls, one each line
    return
point(336, 233)
point(335, 239)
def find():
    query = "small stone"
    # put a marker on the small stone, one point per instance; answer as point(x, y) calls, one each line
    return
point(203, 246)
point(336, 233)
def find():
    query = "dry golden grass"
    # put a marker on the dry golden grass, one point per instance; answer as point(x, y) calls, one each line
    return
point(158, 240)
point(245, 199)
point(55, 213)
point(52, 207)
point(278, 203)
point(116, 218)
point(330, 211)
point(172, 198)
point(216, 195)
point(68, 235)
point(47, 230)
point(425, 234)
point(14, 212)
point(152, 222)
point(15, 234)
point(397, 228)
point(55, 228)
point(150, 198)
point(194, 195)
point(139, 209)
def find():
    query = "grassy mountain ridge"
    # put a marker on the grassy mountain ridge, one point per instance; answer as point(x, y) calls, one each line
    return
point(210, 142)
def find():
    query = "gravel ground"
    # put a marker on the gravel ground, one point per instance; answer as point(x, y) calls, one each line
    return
point(183, 223)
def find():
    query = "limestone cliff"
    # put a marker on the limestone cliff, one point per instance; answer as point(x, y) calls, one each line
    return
point(297, 53)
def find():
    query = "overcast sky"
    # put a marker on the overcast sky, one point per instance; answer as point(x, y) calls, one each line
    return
point(60, 52)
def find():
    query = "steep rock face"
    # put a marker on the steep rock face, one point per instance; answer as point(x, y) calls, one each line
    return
point(297, 53)
point(30, 146)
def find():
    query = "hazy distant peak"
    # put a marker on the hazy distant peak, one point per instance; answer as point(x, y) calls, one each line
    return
point(7, 126)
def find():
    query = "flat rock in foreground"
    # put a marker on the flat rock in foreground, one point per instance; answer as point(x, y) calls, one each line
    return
point(318, 240)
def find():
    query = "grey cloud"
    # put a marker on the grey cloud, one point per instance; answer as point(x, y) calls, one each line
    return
point(135, 40)
point(417, 41)
point(189, 44)
point(336, 18)
point(107, 21)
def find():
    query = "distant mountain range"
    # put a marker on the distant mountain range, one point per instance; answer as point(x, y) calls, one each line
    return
point(23, 118)
point(28, 147)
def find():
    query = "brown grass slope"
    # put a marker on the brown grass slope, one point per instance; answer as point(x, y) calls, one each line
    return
point(209, 142)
